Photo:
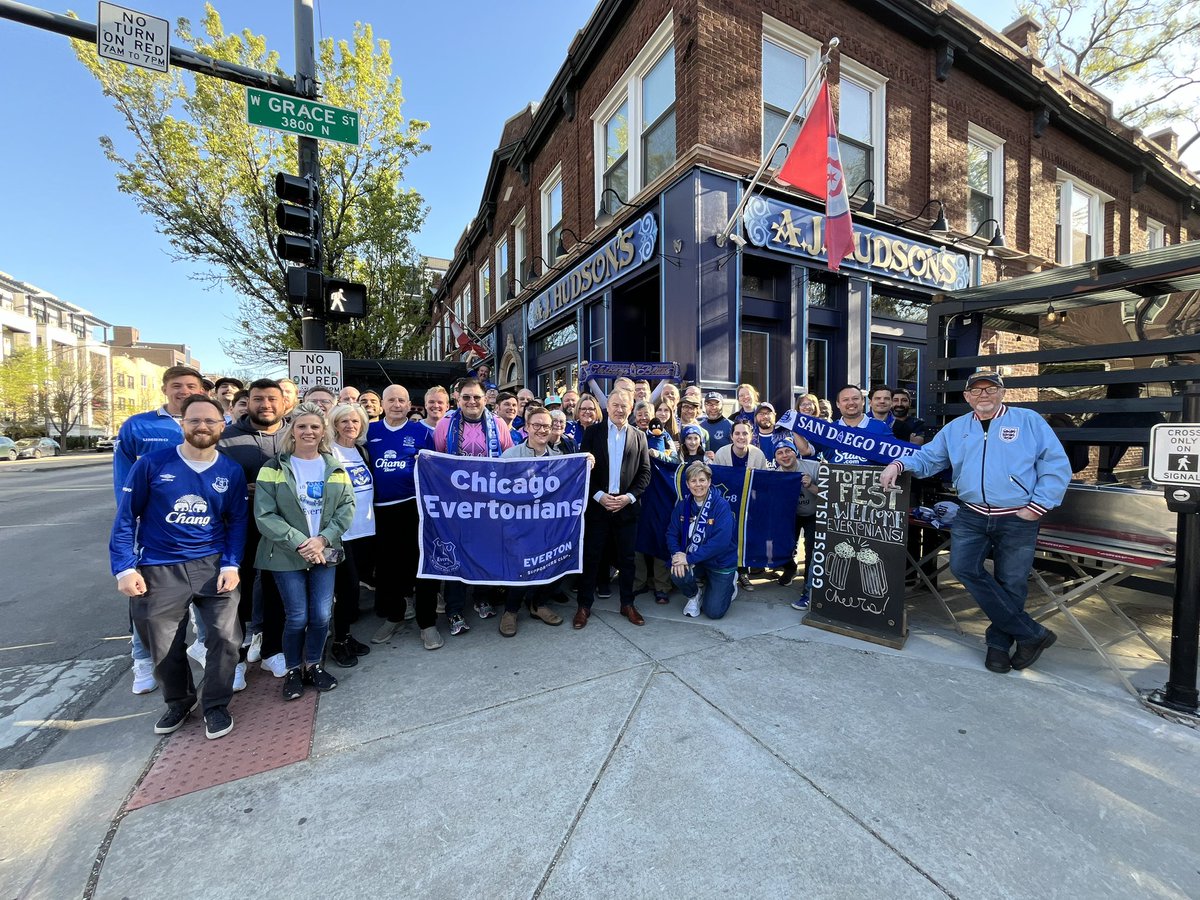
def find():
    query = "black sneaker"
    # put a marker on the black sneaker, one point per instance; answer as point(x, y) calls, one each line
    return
point(172, 720)
point(342, 655)
point(997, 660)
point(320, 679)
point(787, 575)
point(217, 723)
point(357, 648)
point(1027, 654)
point(293, 684)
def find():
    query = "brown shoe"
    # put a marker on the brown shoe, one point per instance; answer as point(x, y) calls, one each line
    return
point(547, 615)
point(630, 612)
point(581, 617)
point(508, 624)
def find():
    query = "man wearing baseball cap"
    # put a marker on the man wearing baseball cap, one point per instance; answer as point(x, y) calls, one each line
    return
point(719, 428)
point(1010, 470)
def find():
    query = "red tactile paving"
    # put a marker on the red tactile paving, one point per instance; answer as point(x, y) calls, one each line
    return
point(268, 732)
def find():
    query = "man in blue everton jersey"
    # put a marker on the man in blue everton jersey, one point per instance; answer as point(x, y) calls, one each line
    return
point(1010, 469)
point(393, 444)
point(177, 540)
point(140, 434)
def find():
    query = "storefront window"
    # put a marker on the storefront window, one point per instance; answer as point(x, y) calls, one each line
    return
point(878, 364)
point(819, 294)
point(560, 338)
point(818, 367)
point(756, 366)
point(908, 361)
point(891, 306)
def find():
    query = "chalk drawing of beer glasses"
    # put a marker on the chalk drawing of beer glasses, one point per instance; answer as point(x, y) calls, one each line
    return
point(839, 568)
point(871, 573)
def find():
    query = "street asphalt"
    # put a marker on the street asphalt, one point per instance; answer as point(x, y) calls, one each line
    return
point(753, 756)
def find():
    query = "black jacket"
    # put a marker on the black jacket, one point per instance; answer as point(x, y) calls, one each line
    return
point(635, 465)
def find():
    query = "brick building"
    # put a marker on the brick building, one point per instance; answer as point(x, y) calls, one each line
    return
point(595, 236)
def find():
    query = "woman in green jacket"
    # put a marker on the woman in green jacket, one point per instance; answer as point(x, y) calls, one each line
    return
point(303, 502)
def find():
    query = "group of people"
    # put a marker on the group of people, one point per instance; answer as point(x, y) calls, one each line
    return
point(256, 513)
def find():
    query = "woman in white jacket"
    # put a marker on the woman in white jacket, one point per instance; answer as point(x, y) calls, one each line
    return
point(741, 453)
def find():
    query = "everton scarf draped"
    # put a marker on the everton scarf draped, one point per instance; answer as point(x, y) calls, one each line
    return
point(454, 433)
point(700, 524)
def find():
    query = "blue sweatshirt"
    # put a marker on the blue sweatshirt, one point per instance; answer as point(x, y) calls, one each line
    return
point(720, 432)
point(393, 454)
point(1017, 463)
point(168, 513)
point(719, 548)
point(139, 435)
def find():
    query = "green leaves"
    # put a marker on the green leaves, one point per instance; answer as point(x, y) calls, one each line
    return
point(191, 161)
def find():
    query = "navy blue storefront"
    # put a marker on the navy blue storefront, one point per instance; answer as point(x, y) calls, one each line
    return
point(656, 286)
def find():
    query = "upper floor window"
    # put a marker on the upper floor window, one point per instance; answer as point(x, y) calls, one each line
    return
point(503, 281)
point(1079, 229)
point(788, 58)
point(862, 125)
point(985, 178)
point(552, 214)
point(485, 292)
point(520, 250)
point(1156, 234)
point(635, 125)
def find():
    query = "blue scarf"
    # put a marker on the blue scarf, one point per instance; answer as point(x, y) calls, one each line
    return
point(455, 429)
point(697, 536)
point(871, 445)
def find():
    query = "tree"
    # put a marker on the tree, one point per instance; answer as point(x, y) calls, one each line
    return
point(1144, 53)
point(51, 389)
point(206, 176)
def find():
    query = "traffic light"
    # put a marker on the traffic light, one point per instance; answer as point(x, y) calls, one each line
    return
point(344, 300)
point(299, 213)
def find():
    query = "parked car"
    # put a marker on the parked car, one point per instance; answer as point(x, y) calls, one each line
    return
point(106, 444)
point(8, 449)
point(36, 448)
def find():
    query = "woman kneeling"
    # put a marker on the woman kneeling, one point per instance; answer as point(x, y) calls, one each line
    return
point(700, 537)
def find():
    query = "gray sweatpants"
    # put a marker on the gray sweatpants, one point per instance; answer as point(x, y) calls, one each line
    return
point(161, 618)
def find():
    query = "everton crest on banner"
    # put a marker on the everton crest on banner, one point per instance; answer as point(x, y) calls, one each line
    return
point(500, 521)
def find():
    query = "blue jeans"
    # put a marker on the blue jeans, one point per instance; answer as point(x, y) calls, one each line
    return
point(717, 596)
point(307, 602)
point(1011, 542)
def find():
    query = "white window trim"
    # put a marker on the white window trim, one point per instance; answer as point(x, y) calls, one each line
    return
point(498, 298)
point(1067, 184)
point(628, 90)
point(548, 186)
point(870, 80)
point(485, 311)
point(995, 145)
point(794, 41)
point(520, 249)
point(1152, 226)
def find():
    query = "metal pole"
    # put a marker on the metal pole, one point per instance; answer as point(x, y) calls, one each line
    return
point(1180, 692)
point(723, 234)
point(312, 325)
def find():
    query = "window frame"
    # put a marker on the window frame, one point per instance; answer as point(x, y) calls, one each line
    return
point(1155, 227)
point(1067, 184)
point(502, 274)
point(994, 144)
point(874, 84)
point(484, 276)
point(520, 250)
point(797, 43)
point(547, 190)
point(628, 90)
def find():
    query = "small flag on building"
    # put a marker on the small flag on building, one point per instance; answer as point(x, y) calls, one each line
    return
point(814, 164)
point(464, 341)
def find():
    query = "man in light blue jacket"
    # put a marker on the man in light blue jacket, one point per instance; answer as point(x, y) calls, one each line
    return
point(1009, 469)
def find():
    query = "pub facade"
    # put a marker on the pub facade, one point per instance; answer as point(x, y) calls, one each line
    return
point(967, 158)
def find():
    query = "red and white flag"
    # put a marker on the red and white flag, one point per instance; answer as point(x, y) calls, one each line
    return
point(814, 164)
point(464, 341)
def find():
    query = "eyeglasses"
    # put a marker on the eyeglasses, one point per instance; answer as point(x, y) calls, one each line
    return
point(979, 392)
point(211, 423)
point(535, 426)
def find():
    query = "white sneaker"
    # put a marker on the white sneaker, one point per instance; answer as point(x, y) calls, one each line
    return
point(254, 654)
point(198, 652)
point(431, 638)
point(693, 606)
point(275, 665)
point(143, 676)
point(239, 677)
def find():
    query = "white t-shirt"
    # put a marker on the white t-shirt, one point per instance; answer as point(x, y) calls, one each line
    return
point(310, 489)
point(364, 492)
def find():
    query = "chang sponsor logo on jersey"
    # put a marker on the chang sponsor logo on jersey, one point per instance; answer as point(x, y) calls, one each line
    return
point(390, 463)
point(190, 509)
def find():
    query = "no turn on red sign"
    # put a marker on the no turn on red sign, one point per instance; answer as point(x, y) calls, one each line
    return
point(1175, 454)
point(309, 368)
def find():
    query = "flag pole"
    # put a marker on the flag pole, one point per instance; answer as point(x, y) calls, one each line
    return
point(724, 234)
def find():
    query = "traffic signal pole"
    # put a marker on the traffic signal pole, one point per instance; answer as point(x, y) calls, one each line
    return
point(312, 323)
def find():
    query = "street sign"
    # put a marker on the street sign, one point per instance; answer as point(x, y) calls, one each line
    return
point(1175, 454)
point(309, 368)
point(128, 36)
point(307, 118)
point(345, 299)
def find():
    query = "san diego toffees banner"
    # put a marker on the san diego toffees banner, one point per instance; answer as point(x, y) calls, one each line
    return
point(763, 504)
point(500, 521)
point(874, 446)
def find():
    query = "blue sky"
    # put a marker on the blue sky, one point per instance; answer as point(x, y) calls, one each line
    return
point(67, 229)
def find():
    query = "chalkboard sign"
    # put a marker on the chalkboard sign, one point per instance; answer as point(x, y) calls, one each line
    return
point(859, 555)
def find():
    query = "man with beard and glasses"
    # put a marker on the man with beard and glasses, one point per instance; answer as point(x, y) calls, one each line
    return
point(176, 542)
point(250, 442)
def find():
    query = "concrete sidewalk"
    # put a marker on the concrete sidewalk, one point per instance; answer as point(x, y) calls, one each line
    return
point(752, 756)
